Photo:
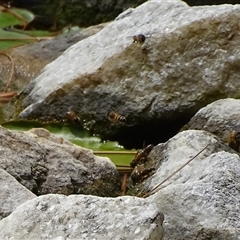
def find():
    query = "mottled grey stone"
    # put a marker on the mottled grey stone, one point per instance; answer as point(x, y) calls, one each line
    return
point(84, 217)
point(220, 118)
point(45, 163)
point(189, 59)
point(12, 194)
point(201, 201)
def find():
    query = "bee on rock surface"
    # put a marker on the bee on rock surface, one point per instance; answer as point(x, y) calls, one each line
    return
point(140, 38)
point(141, 156)
point(116, 118)
point(140, 170)
point(234, 140)
point(73, 118)
point(140, 173)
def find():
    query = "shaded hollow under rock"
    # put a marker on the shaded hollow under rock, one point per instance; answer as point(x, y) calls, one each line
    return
point(145, 133)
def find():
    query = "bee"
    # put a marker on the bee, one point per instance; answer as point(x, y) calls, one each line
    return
point(73, 118)
point(140, 38)
point(234, 140)
point(140, 173)
point(141, 156)
point(116, 118)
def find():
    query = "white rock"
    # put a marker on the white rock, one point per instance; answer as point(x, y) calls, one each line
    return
point(83, 217)
point(201, 201)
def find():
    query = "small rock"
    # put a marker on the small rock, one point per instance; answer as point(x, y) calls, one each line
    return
point(220, 118)
point(12, 194)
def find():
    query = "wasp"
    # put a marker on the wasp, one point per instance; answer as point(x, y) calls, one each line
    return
point(115, 117)
point(234, 140)
point(73, 118)
point(140, 173)
point(141, 156)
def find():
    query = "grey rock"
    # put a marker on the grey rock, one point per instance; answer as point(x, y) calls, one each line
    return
point(45, 164)
point(220, 118)
point(83, 217)
point(201, 201)
point(188, 60)
point(12, 194)
point(31, 58)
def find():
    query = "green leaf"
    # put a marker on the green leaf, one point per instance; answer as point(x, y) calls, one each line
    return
point(17, 39)
point(25, 14)
point(7, 19)
point(32, 33)
point(13, 35)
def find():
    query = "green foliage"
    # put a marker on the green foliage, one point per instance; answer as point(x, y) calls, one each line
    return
point(11, 37)
point(19, 39)
point(25, 14)
point(10, 17)
point(7, 19)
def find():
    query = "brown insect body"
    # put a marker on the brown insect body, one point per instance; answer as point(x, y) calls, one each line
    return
point(234, 140)
point(73, 118)
point(116, 118)
point(140, 173)
point(141, 156)
point(140, 38)
point(140, 170)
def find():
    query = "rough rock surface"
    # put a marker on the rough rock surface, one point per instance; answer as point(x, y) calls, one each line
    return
point(84, 217)
point(45, 164)
point(12, 194)
point(202, 200)
point(188, 59)
point(220, 118)
point(30, 59)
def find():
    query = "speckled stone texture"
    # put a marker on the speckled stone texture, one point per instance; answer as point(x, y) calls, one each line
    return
point(220, 118)
point(12, 194)
point(189, 59)
point(84, 217)
point(45, 163)
point(201, 201)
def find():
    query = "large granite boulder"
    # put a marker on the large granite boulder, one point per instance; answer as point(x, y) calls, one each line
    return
point(188, 59)
point(45, 163)
point(201, 200)
point(84, 217)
